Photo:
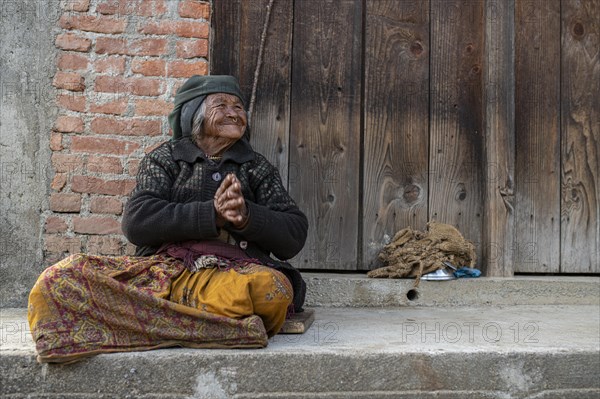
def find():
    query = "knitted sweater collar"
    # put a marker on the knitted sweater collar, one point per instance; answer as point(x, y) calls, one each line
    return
point(185, 150)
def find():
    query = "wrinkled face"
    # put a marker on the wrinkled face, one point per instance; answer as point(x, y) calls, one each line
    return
point(225, 117)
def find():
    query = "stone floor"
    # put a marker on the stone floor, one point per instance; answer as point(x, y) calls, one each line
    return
point(406, 351)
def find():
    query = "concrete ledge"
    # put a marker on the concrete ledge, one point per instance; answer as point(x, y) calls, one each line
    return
point(182, 374)
point(357, 290)
point(415, 352)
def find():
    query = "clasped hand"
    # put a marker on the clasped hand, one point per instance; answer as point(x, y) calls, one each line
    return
point(230, 204)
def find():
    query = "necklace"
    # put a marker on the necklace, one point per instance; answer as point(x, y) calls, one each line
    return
point(213, 157)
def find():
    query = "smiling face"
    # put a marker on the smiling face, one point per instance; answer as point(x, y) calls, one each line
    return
point(225, 117)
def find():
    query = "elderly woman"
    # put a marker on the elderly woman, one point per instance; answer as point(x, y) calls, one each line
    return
point(206, 214)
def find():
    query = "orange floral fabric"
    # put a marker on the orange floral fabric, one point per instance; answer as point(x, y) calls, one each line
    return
point(85, 305)
point(237, 293)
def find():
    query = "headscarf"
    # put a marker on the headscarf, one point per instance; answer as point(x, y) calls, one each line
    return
point(190, 96)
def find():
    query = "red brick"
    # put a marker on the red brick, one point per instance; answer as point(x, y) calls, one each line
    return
point(146, 87)
point(65, 202)
point(106, 205)
point(113, 65)
point(180, 28)
point(90, 23)
point(102, 245)
point(102, 145)
point(56, 142)
point(70, 41)
point(146, 8)
point(148, 47)
point(152, 107)
point(133, 166)
point(98, 164)
point(68, 124)
point(110, 7)
point(115, 107)
point(194, 9)
point(111, 84)
point(192, 29)
point(67, 163)
point(59, 244)
point(71, 102)
point(149, 67)
point(192, 48)
point(96, 185)
point(59, 181)
point(141, 47)
point(164, 27)
point(111, 45)
point(55, 224)
point(77, 5)
point(136, 86)
point(96, 225)
point(69, 61)
point(69, 81)
point(183, 69)
point(126, 127)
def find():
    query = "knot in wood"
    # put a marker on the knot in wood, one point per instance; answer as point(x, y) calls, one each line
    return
point(578, 30)
point(411, 193)
point(416, 48)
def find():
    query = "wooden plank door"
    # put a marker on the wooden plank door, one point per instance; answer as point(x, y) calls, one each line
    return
point(236, 42)
point(326, 129)
point(382, 114)
point(537, 158)
point(580, 144)
point(395, 167)
point(499, 112)
point(456, 130)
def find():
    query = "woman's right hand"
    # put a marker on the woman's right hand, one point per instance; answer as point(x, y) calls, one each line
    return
point(230, 204)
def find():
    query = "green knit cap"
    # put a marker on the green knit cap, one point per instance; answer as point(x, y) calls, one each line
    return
point(198, 87)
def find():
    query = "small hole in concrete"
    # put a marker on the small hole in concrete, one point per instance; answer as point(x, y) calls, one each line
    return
point(412, 295)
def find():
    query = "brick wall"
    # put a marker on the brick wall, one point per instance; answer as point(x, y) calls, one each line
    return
point(119, 65)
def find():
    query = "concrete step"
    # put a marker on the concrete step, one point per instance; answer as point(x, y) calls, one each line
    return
point(520, 337)
point(356, 290)
point(524, 351)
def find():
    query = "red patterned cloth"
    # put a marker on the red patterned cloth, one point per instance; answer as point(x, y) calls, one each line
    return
point(189, 251)
point(85, 305)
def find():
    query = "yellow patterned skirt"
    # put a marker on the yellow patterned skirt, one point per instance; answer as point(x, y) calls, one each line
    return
point(86, 305)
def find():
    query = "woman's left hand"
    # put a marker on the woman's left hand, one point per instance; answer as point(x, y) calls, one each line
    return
point(230, 204)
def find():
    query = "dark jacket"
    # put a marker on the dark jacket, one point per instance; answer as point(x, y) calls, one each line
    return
point(173, 202)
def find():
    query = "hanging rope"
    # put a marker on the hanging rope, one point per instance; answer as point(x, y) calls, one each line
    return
point(263, 38)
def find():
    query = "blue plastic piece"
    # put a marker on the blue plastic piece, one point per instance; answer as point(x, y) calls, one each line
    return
point(467, 272)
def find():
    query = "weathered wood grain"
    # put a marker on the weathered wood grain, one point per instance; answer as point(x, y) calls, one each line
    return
point(537, 158)
point(270, 123)
point(456, 130)
point(580, 129)
point(396, 118)
point(225, 41)
point(325, 129)
point(252, 15)
point(465, 174)
point(499, 139)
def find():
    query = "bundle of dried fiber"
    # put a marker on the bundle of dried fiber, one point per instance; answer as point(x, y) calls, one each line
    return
point(413, 253)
